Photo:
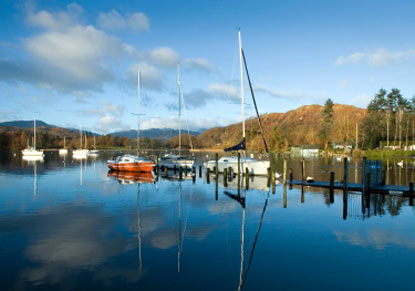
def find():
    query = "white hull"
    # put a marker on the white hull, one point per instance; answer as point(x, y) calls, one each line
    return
point(32, 153)
point(32, 158)
point(255, 167)
point(177, 163)
point(94, 152)
point(80, 152)
point(63, 151)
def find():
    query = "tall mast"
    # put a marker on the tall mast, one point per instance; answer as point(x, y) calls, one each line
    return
point(34, 133)
point(242, 85)
point(180, 105)
point(138, 110)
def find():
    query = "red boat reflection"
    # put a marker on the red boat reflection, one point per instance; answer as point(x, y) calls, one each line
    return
point(132, 177)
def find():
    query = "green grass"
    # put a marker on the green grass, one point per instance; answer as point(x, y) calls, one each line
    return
point(388, 153)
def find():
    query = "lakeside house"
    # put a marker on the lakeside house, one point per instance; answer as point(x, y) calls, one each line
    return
point(305, 150)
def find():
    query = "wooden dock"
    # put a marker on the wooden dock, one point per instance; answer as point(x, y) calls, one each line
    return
point(381, 189)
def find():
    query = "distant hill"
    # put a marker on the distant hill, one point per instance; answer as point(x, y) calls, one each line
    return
point(25, 123)
point(296, 127)
point(42, 127)
point(162, 133)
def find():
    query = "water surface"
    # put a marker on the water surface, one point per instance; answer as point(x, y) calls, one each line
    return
point(66, 224)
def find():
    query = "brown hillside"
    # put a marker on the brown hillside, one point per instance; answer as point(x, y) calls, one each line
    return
point(296, 127)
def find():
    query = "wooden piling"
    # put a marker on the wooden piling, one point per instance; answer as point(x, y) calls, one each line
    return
point(225, 177)
point(247, 177)
point(165, 172)
point(331, 187)
point(217, 164)
point(291, 179)
point(208, 175)
point(302, 170)
point(284, 197)
point(345, 173)
point(174, 169)
point(180, 173)
point(239, 164)
point(383, 177)
point(367, 183)
point(185, 170)
point(200, 171)
point(331, 182)
point(273, 179)
point(269, 173)
point(411, 194)
point(284, 174)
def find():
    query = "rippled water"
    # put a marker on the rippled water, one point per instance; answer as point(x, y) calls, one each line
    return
point(70, 225)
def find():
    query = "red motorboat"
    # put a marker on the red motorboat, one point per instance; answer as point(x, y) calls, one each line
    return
point(130, 163)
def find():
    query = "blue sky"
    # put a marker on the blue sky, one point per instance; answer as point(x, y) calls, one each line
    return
point(74, 63)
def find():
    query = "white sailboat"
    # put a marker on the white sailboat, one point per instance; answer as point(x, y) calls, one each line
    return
point(255, 167)
point(81, 152)
point(32, 151)
point(170, 160)
point(63, 151)
point(94, 151)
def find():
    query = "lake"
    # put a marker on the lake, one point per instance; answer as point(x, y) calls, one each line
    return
point(68, 224)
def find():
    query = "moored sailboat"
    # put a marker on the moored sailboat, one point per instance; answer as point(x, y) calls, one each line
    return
point(81, 152)
point(32, 151)
point(63, 151)
point(132, 163)
point(170, 160)
point(255, 167)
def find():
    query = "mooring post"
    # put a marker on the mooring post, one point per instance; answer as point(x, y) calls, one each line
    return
point(225, 177)
point(273, 182)
point(217, 164)
point(174, 169)
point(269, 173)
point(214, 170)
point(284, 197)
point(180, 173)
point(247, 177)
point(345, 174)
point(200, 171)
point(302, 170)
point(208, 175)
point(383, 177)
point(302, 193)
point(344, 205)
point(239, 164)
point(363, 170)
point(216, 188)
point(165, 171)
point(331, 186)
point(411, 194)
point(367, 183)
point(284, 174)
point(291, 179)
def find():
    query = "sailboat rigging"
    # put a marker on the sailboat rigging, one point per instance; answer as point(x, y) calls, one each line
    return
point(169, 160)
point(81, 152)
point(255, 167)
point(132, 163)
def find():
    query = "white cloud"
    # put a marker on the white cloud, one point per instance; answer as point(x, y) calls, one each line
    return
point(151, 76)
point(58, 21)
point(224, 90)
point(198, 64)
point(361, 101)
point(110, 123)
point(173, 122)
point(165, 56)
point(293, 95)
point(134, 22)
point(378, 58)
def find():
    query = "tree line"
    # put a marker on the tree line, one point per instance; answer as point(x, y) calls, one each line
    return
point(390, 120)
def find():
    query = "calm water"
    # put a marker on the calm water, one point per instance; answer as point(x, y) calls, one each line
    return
point(69, 225)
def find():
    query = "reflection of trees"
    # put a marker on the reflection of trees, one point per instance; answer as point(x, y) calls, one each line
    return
point(393, 205)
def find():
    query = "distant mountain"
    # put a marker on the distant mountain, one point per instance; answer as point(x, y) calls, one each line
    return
point(42, 127)
point(25, 123)
point(162, 133)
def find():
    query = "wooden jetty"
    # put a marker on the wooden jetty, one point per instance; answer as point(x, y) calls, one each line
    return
point(373, 181)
